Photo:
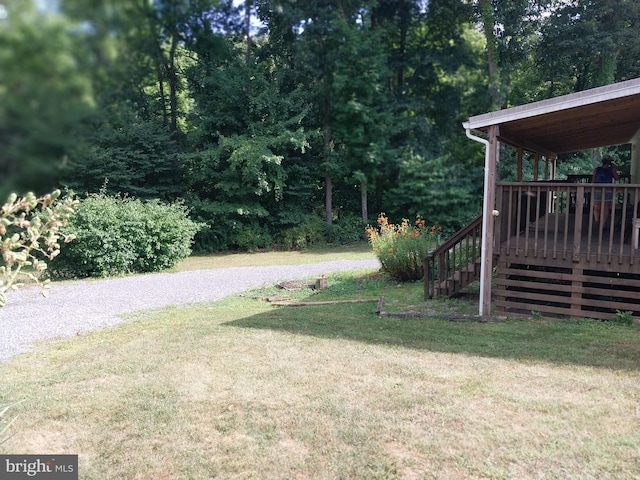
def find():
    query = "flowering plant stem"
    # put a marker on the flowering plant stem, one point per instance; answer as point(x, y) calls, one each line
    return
point(30, 236)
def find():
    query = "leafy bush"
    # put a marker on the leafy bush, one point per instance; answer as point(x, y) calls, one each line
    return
point(119, 235)
point(30, 231)
point(210, 239)
point(345, 230)
point(623, 317)
point(401, 248)
point(251, 237)
point(168, 232)
point(311, 231)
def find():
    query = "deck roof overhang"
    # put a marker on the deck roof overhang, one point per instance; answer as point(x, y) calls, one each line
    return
point(599, 117)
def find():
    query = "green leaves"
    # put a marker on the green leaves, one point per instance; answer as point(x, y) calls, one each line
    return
point(44, 98)
point(438, 190)
point(118, 235)
point(133, 156)
point(331, 105)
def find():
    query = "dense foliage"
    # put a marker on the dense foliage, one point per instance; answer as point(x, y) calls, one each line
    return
point(119, 235)
point(266, 117)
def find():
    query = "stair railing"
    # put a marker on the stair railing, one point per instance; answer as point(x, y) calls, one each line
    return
point(455, 263)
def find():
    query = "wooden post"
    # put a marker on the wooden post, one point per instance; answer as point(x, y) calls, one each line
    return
point(635, 158)
point(498, 224)
point(577, 287)
point(546, 168)
point(577, 227)
point(321, 282)
point(519, 173)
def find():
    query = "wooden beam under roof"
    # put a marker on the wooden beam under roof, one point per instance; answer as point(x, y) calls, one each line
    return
point(524, 144)
point(603, 116)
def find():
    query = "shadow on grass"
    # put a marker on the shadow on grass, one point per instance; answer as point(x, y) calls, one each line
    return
point(585, 342)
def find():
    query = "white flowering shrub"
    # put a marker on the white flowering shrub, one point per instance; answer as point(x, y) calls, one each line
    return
point(30, 237)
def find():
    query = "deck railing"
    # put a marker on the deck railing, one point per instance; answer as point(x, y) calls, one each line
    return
point(556, 220)
point(455, 263)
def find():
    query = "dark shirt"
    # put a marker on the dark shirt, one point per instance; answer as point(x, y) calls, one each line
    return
point(603, 175)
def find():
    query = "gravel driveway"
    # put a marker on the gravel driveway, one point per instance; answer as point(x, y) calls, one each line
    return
point(81, 306)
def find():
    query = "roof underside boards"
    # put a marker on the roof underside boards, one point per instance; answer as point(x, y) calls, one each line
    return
point(598, 117)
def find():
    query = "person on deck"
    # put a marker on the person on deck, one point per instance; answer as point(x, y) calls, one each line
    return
point(603, 174)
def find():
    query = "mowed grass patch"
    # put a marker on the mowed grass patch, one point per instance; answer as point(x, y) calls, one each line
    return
point(324, 253)
point(240, 389)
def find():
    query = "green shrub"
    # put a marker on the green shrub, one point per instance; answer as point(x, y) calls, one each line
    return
point(623, 317)
point(401, 248)
point(213, 236)
point(119, 235)
point(349, 229)
point(251, 237)
point(168, 232)
point(311, 231)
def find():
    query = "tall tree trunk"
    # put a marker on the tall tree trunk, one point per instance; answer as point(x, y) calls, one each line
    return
point(378, 194)
point(404, 22)
point(163, 100)
point(328, 200)
point(364, 202)
point(606, 73)
point(488, 24)
point(247, 55)
point(173, 84)
point(247, 27)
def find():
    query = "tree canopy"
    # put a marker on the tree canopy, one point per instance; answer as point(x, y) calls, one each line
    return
point(271, 114)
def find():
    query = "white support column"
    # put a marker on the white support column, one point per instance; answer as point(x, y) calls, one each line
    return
point(486, 267)
point(488, 204)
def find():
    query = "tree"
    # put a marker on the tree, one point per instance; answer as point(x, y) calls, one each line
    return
point(316, 54)
point(333, 108)
point(582, 43)
point(435, 169)
point(333, 52)
point(44, 97)
point(123, 153)
point(244, 128)
point(137, 57)
point(361, 116)
point(509, 28)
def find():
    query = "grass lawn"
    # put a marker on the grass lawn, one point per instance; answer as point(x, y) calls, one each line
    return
point(357, 251)
point(241, 389)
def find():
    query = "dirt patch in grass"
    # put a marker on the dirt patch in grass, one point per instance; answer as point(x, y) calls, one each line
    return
point(295, 285)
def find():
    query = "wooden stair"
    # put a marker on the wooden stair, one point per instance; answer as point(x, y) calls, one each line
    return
point(454, 264)
point(460, 278)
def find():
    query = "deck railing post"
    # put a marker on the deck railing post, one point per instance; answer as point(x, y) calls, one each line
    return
point(428, 289)
point(498, 217)
point(577, 227)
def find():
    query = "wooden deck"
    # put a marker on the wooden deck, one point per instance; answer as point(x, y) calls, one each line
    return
point(553, 258)
point(552, 239)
